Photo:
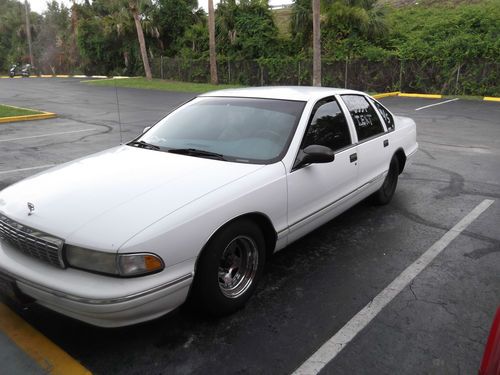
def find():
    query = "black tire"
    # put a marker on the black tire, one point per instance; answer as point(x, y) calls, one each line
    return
point(221, 295)
point(386, 191)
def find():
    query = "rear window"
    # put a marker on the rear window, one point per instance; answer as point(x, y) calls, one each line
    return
point(366, 120)
point(386, 115)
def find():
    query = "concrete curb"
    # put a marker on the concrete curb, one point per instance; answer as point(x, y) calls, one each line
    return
point(426, 96)
point(50, 358)
point(491, 99)
point(386, 94)
point(39, 116)
point(64, 76)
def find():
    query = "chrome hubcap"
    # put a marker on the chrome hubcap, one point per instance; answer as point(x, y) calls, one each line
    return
point(238, 266)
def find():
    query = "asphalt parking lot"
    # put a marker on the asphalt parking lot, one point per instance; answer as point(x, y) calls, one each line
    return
point(313, 288)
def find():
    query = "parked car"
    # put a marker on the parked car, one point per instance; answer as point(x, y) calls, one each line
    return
point(490, 364)
point(194, 206)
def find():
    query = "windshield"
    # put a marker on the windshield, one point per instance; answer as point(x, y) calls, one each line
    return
point(238, 129)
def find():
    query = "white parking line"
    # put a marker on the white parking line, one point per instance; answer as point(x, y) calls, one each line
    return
point(27, 169)
point(432, 105)
point(336, 343)
point(46, 135)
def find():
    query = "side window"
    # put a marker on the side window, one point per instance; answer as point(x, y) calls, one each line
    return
point(386, 115)
point(327, 127)
point(365, 118)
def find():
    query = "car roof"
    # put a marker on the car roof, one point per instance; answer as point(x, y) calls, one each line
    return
point(302, 93)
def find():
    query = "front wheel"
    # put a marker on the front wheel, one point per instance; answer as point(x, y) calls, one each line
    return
point(229, 268)
point(386, 191)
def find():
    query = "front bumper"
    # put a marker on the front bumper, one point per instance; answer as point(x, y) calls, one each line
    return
point(99, 300)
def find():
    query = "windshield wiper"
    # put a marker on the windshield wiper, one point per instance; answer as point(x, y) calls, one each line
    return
point(143, 144)
point(197, 152)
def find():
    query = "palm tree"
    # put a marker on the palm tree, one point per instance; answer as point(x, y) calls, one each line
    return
point(316, 43)
point(211, 43)
point(133, 6)
point(118, 20)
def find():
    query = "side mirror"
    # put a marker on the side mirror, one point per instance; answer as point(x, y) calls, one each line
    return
point(314, 154)
point(146, 129)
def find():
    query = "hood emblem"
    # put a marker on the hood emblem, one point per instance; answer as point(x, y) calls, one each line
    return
point(31, 207)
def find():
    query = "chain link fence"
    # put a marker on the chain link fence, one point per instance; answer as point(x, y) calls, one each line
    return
point(463, 78)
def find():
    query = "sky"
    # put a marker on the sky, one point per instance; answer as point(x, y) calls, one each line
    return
point(40, 5)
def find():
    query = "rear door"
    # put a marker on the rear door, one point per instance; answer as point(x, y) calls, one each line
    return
point(373, 151)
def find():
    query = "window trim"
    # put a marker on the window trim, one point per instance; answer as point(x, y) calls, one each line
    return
point(352, 135)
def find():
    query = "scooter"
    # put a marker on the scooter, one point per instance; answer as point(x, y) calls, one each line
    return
point(15, 70)
point(12, 71)
point(26, 70)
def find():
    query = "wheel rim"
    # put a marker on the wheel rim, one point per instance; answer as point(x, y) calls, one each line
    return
point(238, 266)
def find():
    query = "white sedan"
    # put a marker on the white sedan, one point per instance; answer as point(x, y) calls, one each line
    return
point(194, 206)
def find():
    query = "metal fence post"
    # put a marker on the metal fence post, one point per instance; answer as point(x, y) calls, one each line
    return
point(401, 75)
point(298, 75)
point(458, 78)
point(161, 66)
point(345, 72)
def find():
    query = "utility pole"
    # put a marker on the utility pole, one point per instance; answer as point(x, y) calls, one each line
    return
point(28, 31)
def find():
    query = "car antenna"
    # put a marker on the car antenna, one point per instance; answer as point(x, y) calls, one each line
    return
point(118, 108)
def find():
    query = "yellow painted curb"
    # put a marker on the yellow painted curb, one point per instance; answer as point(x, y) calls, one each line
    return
point(385, 95)
point(62, 76)
point(49, 356)
point(427, 96)
point(491, 99)
point(46, 76)
point(39, 116)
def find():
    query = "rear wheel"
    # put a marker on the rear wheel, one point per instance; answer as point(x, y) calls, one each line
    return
point(386, 191)
point(229, 268)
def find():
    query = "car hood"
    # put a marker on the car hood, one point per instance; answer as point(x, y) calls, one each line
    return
point(101, 200)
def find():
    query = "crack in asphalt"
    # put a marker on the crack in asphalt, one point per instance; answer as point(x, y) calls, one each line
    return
point(455, 184)
point(479, 253)
point(427, 153)
point(452, 145)
point(428, 223)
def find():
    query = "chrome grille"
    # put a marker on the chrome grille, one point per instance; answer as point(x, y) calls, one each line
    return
point(32, 242)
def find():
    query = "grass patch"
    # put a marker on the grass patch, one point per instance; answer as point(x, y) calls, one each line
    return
point(8, 111)
point(160, 84)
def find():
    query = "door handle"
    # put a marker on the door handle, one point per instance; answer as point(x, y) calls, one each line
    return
point(353, 157)
point(386, 142)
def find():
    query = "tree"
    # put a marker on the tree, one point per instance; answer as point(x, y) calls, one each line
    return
point(352, 26)
point(316, 43)
point(211, 43)
point(301, 25)
point(133, 6)
point(173, 18)
point(246, 30)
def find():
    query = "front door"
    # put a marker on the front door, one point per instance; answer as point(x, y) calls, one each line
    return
point(316, 191)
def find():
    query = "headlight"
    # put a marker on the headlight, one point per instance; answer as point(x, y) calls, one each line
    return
point(113, 264)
